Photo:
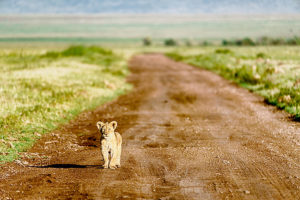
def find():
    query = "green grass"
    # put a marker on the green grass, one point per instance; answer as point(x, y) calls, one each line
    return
point(40, 90)
point(272, 72)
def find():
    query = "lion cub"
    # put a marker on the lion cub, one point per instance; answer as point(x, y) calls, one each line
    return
point(111, 143)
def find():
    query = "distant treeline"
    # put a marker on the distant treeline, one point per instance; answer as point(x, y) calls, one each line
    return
point(262, 41)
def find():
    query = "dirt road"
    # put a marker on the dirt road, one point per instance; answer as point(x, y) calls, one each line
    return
point(188, 134)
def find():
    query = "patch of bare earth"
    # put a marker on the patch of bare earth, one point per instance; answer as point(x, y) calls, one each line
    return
point(188, 134)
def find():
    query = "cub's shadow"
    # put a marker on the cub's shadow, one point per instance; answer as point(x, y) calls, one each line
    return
point(69, 166)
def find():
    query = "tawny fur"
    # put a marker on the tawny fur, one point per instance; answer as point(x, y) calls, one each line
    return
point(111, 144)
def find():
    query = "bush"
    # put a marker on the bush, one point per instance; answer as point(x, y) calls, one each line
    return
point(223, 51)
point(175, 56)
point(82, 51)
point(246, 74)
point(204, 43)
point(226, 42)
point(262, 41)
point(170, 42)
point(278, 41)
point(293, 41)
point(77, 51)
point(261, 55)
point(248, 42)
point(147, 41)
point(188, 43)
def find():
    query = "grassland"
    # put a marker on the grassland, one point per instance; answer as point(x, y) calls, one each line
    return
point(112, 29)
point(272, 72)
point(41, 89)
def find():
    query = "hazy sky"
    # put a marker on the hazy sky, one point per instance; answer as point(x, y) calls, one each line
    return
point(149, 6)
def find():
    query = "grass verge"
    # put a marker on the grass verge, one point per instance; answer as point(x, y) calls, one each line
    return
point(272, 72)
point(40, 90)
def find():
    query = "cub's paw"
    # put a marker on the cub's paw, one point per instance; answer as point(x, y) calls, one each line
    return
point(112, 166)
point(118, 165)
point(105, 166)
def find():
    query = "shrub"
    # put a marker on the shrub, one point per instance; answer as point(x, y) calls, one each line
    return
point(147, 41)
point(188, 43)
point(277, 41)
point(170, 42)
point(223, 51)
point(175, 56)
point(82, 51)
point(204, 43)
point(238, 42)
point(293, 41)
point(264, 41)
point(261, 55)
point(247, 42)
point(225, 42)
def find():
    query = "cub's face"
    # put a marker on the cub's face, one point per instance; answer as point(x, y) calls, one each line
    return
point(106, 128)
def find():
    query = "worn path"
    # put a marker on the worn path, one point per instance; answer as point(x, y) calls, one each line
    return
point(188, 134)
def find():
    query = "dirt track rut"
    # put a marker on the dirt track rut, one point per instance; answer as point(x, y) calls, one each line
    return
point(188, 134)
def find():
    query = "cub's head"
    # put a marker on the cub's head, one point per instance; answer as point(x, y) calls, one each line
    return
point(106, 128)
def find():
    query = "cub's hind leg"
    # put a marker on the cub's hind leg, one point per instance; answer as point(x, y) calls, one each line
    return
point(119, 150)
point(118, 162)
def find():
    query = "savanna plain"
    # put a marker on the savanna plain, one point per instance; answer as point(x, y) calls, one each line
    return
point(198, 122)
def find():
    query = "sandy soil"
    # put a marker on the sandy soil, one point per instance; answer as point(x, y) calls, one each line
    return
point(188, 134)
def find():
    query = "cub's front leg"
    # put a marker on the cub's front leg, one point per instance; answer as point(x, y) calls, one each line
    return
point(112, 163)
point(114, 155)
point(104, 150)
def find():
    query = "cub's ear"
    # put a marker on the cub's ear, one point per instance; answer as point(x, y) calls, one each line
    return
point(100, 125)
point(114, 124)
